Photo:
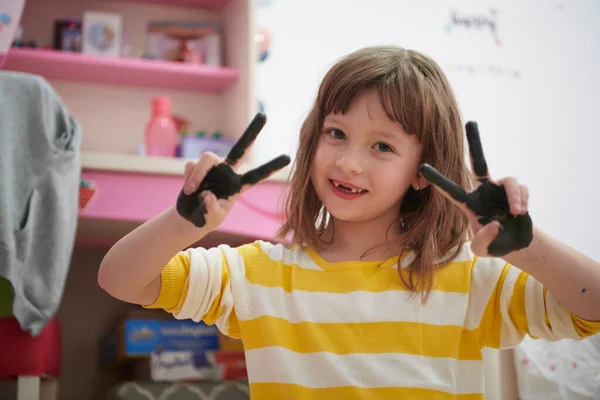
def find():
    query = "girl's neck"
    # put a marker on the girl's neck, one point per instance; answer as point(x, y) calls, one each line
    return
point(376, 239)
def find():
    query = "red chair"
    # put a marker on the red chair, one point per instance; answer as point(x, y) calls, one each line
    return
point(28, 358)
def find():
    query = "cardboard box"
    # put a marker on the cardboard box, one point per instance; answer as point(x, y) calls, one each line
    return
point(176, 366)
point(134, 338)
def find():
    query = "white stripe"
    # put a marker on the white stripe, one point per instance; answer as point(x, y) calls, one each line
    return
point(204, 283)
point(442, 308)
point(238, 284)
point(509, 335)
point(325, 370)
point(560, 318)
point(278, 252)
point(484, 278)
point(465, 254)
point(535, 310)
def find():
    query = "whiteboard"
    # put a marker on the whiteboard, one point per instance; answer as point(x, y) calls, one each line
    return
point(529, 75)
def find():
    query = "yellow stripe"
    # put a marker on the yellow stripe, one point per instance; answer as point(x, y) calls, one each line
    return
point(585, 327)
point(491, 320)
point(516, 310)
point(173, 283)
point(297, 392)
point(452, 278)
point(348, 338)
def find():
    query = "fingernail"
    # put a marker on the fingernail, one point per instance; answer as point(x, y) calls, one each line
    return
point(189, 188)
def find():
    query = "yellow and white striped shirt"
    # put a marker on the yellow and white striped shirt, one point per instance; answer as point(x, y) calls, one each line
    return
point(350, 330)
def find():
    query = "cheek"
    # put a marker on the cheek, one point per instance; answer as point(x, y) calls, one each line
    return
point(393, 181)
point(316, 166)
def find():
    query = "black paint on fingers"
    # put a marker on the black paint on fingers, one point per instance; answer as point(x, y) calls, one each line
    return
point(258, 174)
point(448, 186)
point(476, 150)
point(248, 137)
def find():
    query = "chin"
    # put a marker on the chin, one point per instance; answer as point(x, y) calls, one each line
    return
point(347, 214)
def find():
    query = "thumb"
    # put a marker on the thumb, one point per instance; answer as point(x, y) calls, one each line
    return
point(483, 238)
point(213, 207)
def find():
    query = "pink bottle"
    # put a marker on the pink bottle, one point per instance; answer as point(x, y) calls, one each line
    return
point(161, 137)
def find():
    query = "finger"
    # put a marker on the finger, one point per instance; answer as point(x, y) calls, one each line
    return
point(483, 238)
point(189, 167)
point(445, 184)
point(210, 202)
point(524, 198)
point(478, 163)
point(245, 141)
point(216, 208)
point(513, 194)
point(205, 163)
point(264, 171)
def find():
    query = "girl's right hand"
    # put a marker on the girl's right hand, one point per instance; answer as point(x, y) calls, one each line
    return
point(216, 209)
point(211, 185)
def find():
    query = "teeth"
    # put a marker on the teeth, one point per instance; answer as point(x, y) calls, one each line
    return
point(345, 189)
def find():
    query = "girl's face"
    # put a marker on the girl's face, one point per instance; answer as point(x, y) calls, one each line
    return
point(364, 163)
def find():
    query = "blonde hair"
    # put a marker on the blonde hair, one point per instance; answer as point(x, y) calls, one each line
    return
point(415, 93)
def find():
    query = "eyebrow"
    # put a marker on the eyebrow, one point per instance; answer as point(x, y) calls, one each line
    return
point(390, 135)
point(334, 120)
point(386, 134)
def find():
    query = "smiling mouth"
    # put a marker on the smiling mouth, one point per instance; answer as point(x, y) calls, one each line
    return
point(346, 188)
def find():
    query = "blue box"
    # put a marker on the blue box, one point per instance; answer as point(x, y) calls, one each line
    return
point(133, 338)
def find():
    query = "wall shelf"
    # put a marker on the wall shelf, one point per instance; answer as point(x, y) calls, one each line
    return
point(140, 164)
point(206, 4)
point(124, 200)
point(132, 163)
point(61, 65)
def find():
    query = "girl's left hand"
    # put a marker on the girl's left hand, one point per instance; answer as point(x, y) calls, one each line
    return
point(497, 211)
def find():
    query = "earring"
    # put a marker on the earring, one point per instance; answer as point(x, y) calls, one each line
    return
point(418, 187)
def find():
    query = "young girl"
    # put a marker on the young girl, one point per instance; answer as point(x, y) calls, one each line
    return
point(380, 295)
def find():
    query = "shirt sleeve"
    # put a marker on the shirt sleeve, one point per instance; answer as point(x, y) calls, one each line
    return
point(208, 285)
point(506, 303)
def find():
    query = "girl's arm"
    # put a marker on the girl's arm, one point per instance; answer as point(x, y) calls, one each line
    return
point(572, 277)
point(131, 269)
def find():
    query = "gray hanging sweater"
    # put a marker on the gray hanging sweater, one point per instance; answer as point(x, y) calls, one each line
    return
point(39, 189)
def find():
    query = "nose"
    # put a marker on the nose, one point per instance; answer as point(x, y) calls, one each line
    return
point(350, 162)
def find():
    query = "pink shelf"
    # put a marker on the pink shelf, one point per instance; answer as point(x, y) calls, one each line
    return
point(186, 3)
point(53, 64)
point(124, 200)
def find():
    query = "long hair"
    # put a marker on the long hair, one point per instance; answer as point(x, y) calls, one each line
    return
point(415, 93)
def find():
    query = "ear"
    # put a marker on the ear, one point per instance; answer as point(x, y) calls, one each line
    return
point(419, 183)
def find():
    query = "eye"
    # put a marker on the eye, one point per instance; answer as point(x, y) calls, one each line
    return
point(336, 134)
point(383, 147)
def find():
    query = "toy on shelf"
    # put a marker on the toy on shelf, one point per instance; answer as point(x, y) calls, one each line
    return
point(188, 42)
point(194, 146)
point(87, 191)
point(67, 34)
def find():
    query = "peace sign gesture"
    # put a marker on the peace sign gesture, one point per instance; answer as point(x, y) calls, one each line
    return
point(504, 202)
point(219, 183)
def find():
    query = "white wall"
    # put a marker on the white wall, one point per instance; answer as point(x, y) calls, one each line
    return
point(533, 87)
point(541, 127)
